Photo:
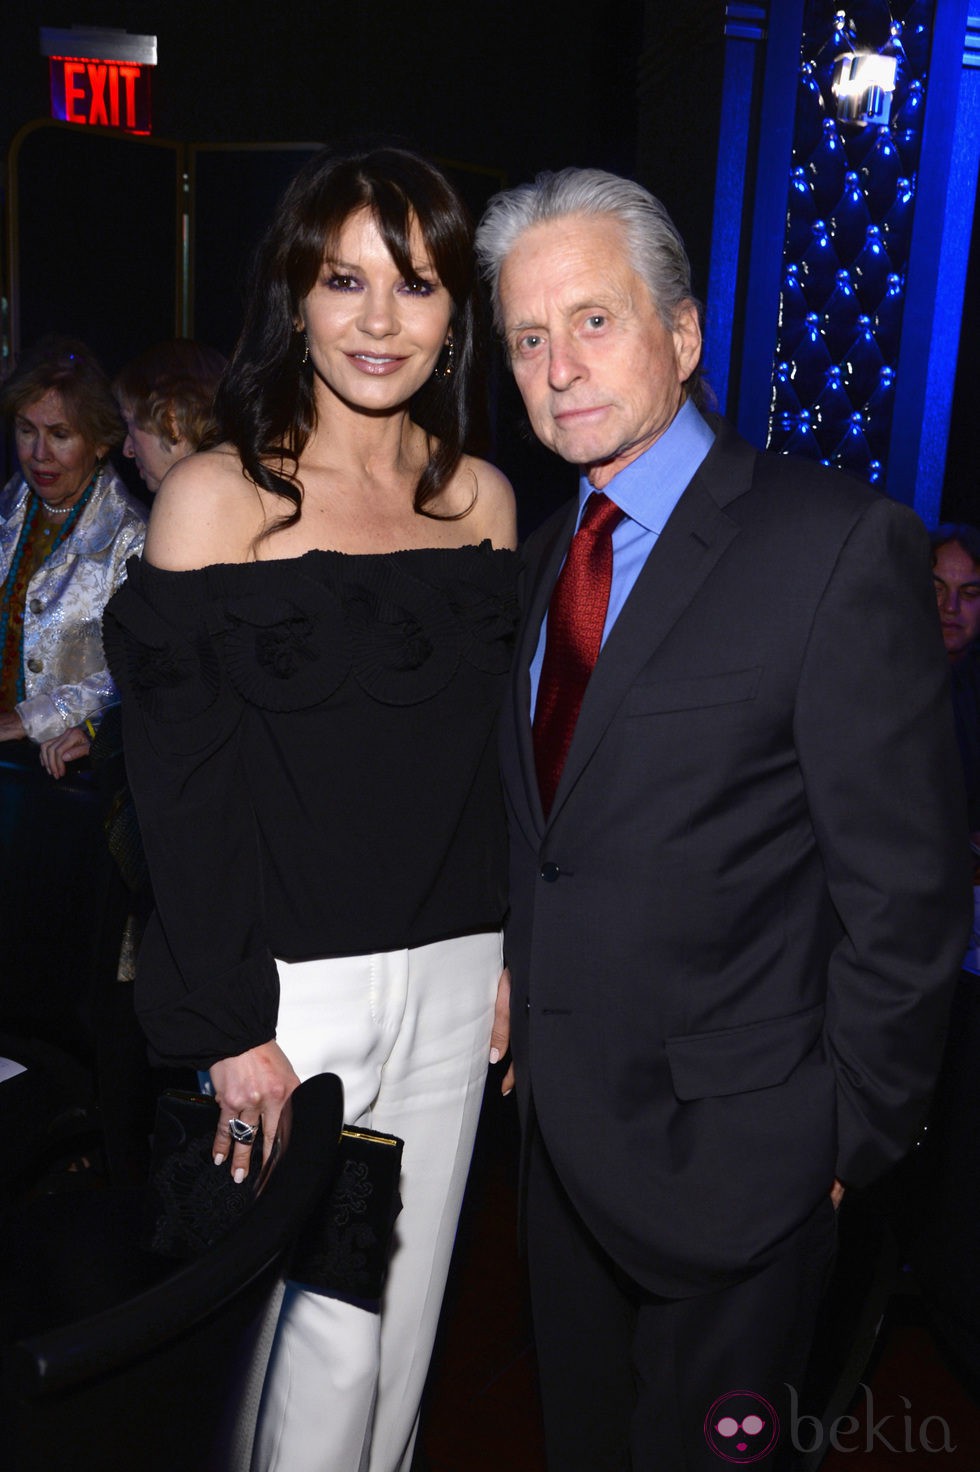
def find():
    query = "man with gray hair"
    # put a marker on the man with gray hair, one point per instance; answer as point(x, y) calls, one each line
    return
point(739, 898)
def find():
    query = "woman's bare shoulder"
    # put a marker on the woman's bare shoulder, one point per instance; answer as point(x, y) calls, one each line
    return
point(491, 497)
point(206, 511)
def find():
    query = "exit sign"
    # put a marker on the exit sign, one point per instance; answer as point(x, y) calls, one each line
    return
point(100, 78)
point(106, 94)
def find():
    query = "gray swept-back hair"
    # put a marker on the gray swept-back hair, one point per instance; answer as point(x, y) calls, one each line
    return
point(655, 247)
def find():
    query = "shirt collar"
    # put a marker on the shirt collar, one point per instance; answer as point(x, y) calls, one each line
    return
point(648, 489)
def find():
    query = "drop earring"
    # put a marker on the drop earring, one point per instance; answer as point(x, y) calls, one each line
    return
point(447, 360)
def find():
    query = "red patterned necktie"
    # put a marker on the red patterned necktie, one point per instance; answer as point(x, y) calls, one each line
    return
point(576, 617)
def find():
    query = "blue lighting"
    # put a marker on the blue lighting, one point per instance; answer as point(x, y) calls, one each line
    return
point(842, 230)
point(848, 233)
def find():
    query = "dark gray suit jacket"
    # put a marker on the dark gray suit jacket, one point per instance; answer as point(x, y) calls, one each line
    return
point(734, 940)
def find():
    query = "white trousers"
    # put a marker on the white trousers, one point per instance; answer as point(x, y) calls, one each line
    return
point(408, 1032)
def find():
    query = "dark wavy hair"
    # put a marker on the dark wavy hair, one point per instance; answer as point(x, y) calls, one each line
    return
point(169, 389)
point(72, 369)
point(961, 532)
point(265, 405)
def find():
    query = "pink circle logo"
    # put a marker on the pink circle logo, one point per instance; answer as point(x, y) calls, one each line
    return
point(741, 1427)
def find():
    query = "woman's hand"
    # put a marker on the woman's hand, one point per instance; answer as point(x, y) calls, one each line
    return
point(11, 726)
point(68, 747)
point(500, 1036)
point(252, 1087)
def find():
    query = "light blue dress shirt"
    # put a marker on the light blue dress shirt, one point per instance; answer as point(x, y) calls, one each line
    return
point(647, 490)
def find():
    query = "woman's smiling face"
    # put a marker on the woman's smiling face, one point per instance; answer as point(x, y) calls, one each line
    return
point(374, 337)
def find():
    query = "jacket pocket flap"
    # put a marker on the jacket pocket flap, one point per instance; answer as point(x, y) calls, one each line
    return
point(737, 1059)
point(659, 697)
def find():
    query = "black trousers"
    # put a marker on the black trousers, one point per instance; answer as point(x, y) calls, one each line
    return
point(631, 1382)
point(946, 1244)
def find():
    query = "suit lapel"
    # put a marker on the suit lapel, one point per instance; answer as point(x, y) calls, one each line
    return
point(695, 537)
point(544, 564)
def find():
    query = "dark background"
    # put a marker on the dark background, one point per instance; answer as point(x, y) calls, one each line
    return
point(497, 90)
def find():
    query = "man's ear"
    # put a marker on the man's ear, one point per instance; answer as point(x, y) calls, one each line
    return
point(687, 339)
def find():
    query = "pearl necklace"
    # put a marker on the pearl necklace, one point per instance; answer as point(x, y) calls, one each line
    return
point(55, 510)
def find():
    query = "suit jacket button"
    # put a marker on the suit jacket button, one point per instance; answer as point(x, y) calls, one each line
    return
point(35, 666)
point(37, 606)
point(549, 873)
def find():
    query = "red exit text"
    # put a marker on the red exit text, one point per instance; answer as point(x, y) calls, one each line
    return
point(106, 94)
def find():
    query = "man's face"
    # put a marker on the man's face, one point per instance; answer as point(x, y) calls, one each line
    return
point(600, 374)
point(957, 580)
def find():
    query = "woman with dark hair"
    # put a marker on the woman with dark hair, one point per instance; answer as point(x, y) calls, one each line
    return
point(67, 526)
point(311, 658)
point(165, 396)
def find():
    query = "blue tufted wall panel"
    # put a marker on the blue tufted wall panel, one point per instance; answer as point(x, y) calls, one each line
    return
point(842, 298)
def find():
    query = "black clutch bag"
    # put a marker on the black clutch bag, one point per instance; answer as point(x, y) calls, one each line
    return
point(345, 1246)
point(191, 1203)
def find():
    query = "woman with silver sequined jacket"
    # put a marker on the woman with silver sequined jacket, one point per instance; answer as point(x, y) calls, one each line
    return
point(67, 526)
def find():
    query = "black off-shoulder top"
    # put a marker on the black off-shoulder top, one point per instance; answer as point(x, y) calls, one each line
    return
point(310, 743)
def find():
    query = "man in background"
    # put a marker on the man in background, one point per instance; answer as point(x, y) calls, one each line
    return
point(943, 1203)
point(956, 576)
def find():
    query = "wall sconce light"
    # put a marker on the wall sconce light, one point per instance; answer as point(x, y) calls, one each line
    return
point(863, 85)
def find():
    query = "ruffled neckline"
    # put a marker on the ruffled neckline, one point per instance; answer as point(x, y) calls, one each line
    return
point(286, 634)
point(482, 549)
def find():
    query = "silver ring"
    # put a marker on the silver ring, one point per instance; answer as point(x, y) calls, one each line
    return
point(242, 1133)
